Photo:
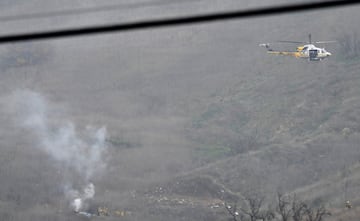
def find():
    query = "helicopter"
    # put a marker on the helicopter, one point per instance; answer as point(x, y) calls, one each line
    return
point(306, 51)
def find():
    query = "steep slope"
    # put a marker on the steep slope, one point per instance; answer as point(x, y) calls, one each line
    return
point(196, 116)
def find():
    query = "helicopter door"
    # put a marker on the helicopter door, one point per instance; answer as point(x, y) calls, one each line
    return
point(313, 55)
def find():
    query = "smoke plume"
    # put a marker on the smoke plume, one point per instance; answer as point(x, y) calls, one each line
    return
point(61, 141)
point(80, 198)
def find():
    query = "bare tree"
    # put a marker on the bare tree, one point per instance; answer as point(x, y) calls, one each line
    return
point(283, 207)
point(232, 210)
point(267, 216)
point(298, 208)
point(253, 204)
point(251, 208)
point(316, 214)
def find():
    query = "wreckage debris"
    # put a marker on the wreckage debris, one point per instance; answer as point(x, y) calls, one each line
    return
point(348, 204)
point(103, 211)
point(85, 214)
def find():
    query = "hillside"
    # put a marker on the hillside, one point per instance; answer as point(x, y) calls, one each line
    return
point(174, 123)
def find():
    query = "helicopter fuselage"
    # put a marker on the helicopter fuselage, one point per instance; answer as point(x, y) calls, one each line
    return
point(312, 52)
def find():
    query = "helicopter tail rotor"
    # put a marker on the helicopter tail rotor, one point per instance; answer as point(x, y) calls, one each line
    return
point(266, 45)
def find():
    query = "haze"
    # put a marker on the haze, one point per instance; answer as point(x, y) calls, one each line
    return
point(175, 123)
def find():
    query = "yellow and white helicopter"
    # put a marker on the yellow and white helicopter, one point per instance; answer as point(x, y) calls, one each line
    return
point(307, 51)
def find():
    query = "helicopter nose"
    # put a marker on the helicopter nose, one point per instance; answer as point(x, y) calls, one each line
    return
point(328, 54)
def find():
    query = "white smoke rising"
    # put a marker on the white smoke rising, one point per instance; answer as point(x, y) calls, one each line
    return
point(89, 191)
point(77, 204)
point(62, 143)
point(79, 199)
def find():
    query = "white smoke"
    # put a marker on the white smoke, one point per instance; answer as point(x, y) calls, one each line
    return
point(77, 204)
point(61, 141)
point(80, 198)
point(89, 191)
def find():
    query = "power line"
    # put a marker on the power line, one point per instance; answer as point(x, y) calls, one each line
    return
point(78, 11)
point(196, 19)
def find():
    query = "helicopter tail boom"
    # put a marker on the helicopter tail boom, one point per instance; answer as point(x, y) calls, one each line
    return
point(288, 53)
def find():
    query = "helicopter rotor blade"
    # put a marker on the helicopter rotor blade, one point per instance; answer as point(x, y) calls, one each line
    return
point(293, 42)
point(325, 42)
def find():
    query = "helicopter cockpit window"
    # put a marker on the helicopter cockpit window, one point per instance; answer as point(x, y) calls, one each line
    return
point(305, 48)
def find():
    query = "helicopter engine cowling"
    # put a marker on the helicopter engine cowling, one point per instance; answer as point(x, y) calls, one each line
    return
point(300, 48)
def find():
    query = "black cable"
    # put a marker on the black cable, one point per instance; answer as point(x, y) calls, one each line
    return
point(78, 11)
point(174, 21)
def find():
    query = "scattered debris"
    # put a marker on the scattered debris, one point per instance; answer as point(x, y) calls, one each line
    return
point(120, 213)
point(346, 132)
point(85, 214)
point(103, 211)
point(348, 204)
